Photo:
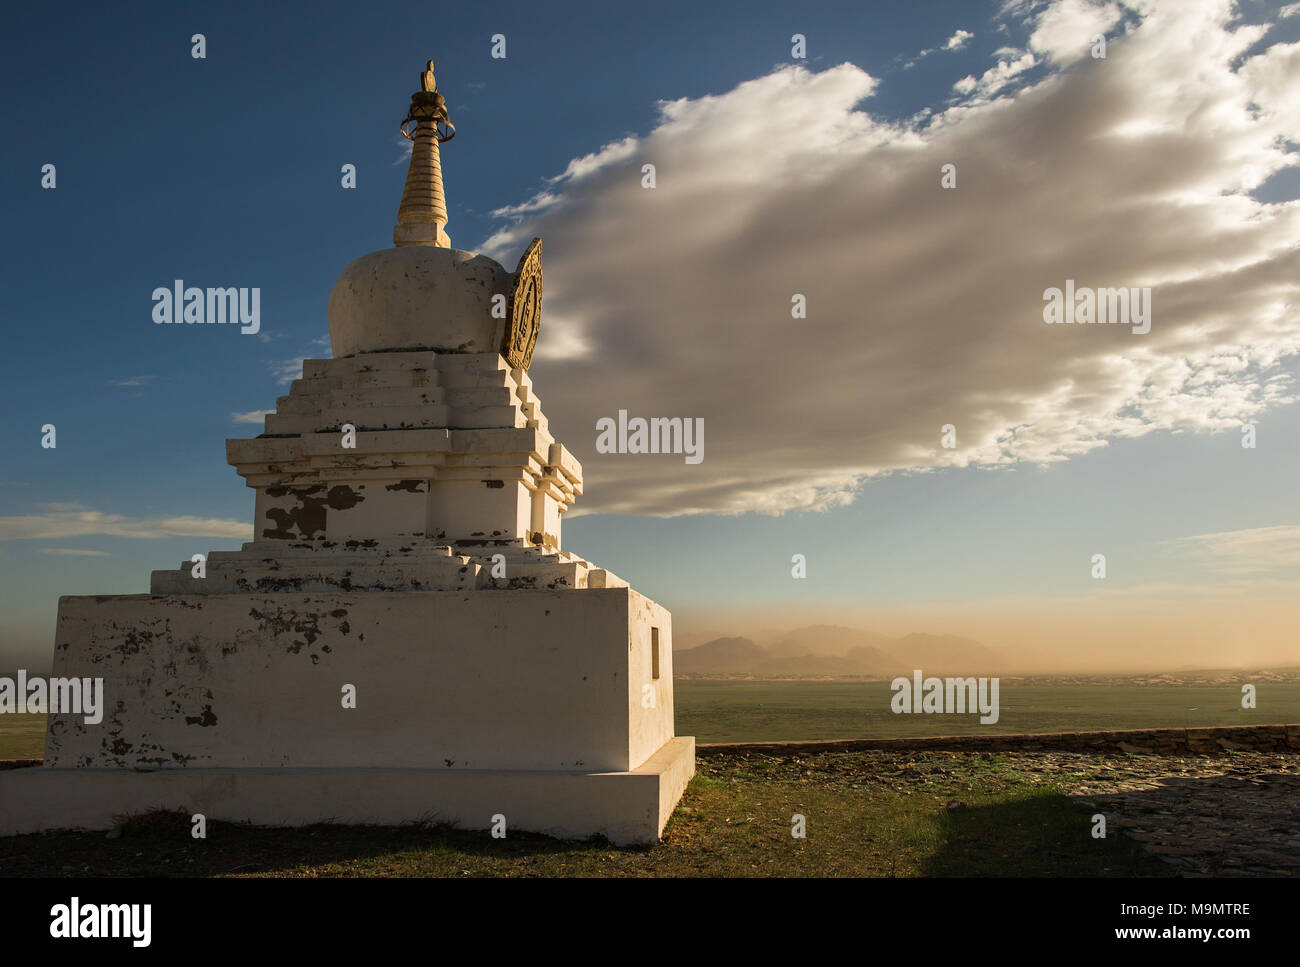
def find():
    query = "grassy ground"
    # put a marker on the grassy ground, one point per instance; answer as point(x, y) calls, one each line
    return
point(22, 736)
point(740, 711)
point(868, 814)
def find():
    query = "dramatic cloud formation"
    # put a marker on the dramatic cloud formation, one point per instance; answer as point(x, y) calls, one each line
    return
point(924, 305)
point(73, 520)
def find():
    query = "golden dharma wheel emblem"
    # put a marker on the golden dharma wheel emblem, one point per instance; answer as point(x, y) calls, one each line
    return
point(524, 310)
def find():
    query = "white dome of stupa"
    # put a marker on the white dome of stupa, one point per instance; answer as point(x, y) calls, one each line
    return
point(418, 297)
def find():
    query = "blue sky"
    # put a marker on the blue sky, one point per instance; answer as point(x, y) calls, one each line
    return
point(225, 171)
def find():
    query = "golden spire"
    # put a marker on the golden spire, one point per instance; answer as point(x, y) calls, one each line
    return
point(423, 211)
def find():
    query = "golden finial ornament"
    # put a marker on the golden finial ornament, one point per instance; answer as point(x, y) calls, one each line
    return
point(422, 214)
point(428, 105)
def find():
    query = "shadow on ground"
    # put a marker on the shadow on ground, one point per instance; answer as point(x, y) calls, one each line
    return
point(1241, 823)
point(1044, 834)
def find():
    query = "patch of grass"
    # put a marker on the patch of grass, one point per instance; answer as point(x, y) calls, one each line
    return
point(22, 736)
point(744, 711)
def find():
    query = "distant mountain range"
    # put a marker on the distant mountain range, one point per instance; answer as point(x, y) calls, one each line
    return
point(826, 651)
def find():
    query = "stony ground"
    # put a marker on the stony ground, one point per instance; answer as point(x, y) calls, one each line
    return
point(867, 813)
point(1230, 815)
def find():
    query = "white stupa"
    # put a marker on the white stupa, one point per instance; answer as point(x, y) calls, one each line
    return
point(404, 639)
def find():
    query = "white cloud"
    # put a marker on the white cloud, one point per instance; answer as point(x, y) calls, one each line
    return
point(1065, 30)
point(998, 76)
point(581, 167)
point(74, 552)
point(1253, 551)
point(59, 521)
point(404, 148)
point(958, 40)
point(287, 370)
point(925, 305)
point(252, 416)
point(578, 169)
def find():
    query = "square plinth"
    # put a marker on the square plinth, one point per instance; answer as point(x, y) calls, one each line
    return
point(551, 708)
point(570, 681)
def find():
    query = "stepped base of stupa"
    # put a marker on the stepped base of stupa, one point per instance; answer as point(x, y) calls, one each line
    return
point(626, 808)
point(388, 564)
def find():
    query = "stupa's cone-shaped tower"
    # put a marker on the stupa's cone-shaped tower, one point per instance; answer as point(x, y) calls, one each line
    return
point(404, 638)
